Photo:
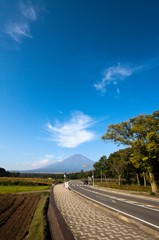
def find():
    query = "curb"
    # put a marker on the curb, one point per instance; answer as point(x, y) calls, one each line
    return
point(58, 226)
point(126, 219)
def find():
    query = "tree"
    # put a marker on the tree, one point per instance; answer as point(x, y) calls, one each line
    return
point(129, 170)
point(142, 134)
point(4, 173)
point(101, 164)
point(117, 164)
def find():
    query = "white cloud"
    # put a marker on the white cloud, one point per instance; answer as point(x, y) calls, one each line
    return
point(118, 90)
point(59, 111)
point(19, 26)
point(60, 160)
point(18, 30)
point(49, 156)
point(72, 133)
point(113, 74)
point(28, 11)
point(27, 163)
point(40, 163)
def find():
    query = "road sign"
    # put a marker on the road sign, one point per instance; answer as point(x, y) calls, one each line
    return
point(85, 165)
point(89, 179)
point(64, 175)
point(66, 184)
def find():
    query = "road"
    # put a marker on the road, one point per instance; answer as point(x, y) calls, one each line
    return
point(140, 209)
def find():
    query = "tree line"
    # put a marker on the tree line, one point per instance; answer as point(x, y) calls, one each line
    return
point(4, 173)
point(141, 158)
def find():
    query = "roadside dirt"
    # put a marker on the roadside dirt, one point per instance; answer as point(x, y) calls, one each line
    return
point(16, 213)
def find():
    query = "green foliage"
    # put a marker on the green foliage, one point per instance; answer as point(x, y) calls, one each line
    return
point(152, 193)
point(142, 135)
point(102, 165)
point(60, 180)
point(4, 181)
point(126, 187)
point(15, 189)
point(38, 224)
point(117, 164)
point(4, 173)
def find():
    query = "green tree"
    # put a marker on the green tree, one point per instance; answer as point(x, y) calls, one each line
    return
point(142, 134)
point(117, 164)
point(102, 164)
point(4, 173)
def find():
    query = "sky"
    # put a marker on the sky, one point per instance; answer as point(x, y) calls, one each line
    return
point(69, 69)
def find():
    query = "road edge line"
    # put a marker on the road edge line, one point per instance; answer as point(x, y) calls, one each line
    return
point(117, 214)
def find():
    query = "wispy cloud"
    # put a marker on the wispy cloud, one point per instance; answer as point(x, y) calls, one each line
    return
point(118, 90)
point(18, 30)
point(19, 26)
point(72, 133)
point(49, 156)
point(122, 71)
point(59, 111)
point(28, 11)
point(113, 74)
point(60, 160)
point(40, 163)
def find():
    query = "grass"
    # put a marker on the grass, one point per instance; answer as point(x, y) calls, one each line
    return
point(5, 181)
point(15, 189)
point(125, 187)
point(37, 229)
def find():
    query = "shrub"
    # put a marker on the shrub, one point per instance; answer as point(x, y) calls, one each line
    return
point(152, 193)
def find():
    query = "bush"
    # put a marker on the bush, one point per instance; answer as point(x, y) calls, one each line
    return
point(126, 187)
point(152, 193)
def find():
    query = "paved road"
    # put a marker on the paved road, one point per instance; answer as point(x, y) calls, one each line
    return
point(87, 221)
point(140, 209)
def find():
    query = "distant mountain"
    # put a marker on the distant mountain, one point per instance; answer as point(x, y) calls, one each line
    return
point(72, 164)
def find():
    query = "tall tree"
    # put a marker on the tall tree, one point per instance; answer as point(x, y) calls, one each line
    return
point(102, 164)
point(117, 164)
point(142, 134)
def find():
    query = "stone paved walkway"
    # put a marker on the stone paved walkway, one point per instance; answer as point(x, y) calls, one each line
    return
point(89, 222)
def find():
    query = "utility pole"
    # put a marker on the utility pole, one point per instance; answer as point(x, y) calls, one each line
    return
point(64, 177)
point(101, 174)
point(93, 176)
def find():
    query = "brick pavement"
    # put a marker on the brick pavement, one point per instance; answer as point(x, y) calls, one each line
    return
point(89, 222)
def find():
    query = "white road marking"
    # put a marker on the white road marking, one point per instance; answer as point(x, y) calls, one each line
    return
point(117, 210)
point(127, 201)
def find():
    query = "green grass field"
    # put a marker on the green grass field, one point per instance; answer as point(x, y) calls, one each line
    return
point(15, 189)
point(8, 181)
point(38, 227)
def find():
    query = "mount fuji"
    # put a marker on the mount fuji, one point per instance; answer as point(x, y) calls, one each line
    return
point(71, 164)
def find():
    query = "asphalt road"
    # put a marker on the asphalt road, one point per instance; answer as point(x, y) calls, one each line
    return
point(143, 210)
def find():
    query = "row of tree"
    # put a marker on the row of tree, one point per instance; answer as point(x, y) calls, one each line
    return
point(141, 158)
point(4, 173)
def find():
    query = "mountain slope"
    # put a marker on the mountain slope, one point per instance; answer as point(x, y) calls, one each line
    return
point(72, 164)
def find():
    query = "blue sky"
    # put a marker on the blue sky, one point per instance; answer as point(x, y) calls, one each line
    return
point(70, 68)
